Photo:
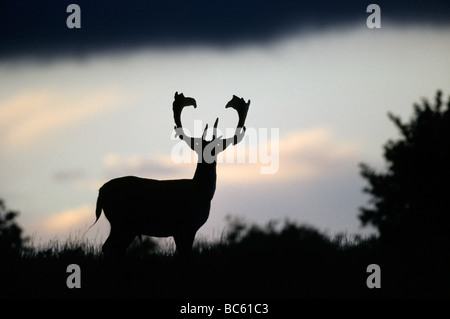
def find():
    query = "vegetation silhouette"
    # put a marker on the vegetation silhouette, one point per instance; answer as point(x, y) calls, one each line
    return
point(136, 206)
point(409, 202)
point(273, 261)
point(11, 239)
point(276, 260)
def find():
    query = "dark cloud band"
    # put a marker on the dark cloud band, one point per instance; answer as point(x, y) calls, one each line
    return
point(38, 29)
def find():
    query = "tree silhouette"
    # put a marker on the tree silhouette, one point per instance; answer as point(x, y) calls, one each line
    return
point(11, 239)
point(410, 201)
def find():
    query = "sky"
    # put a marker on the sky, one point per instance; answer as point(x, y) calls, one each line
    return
point(79, 107)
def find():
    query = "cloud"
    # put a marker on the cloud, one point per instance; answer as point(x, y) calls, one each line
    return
point(37, 29)
point(67, 220)
point(304, 155)
point(69, 175)
point(72, 224)
point(317, 183)
point(158, 167)
point(29, 116)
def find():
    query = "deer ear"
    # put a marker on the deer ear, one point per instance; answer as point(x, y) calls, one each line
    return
point(248, 103)
point(176, 94)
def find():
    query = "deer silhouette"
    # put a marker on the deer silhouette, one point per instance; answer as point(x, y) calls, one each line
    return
point(137, 206)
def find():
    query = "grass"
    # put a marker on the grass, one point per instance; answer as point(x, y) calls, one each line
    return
point(287, 261)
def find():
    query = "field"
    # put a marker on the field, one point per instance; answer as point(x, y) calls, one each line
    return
point(277, 261)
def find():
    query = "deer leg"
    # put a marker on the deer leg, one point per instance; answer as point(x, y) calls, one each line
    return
point(117, 243)
point(108, 245)
point(183, 242)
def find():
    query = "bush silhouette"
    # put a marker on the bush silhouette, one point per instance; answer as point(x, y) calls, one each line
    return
point(11, 240)
point(290, 238)
point(409, 202)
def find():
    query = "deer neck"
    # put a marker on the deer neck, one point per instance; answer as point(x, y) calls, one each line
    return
point(205, 177)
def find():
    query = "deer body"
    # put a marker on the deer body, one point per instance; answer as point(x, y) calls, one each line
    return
point(126, 206)
point(161, 208)
point(137, 206)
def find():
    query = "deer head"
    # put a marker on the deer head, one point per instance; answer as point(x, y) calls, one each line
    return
point(208, 150)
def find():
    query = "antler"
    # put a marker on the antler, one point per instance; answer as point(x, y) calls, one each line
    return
point(241, 107)
point(179, 103)
point(236, 103)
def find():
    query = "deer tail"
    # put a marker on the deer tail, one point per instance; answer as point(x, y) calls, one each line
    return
point(98, 212)
point(98, 209)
